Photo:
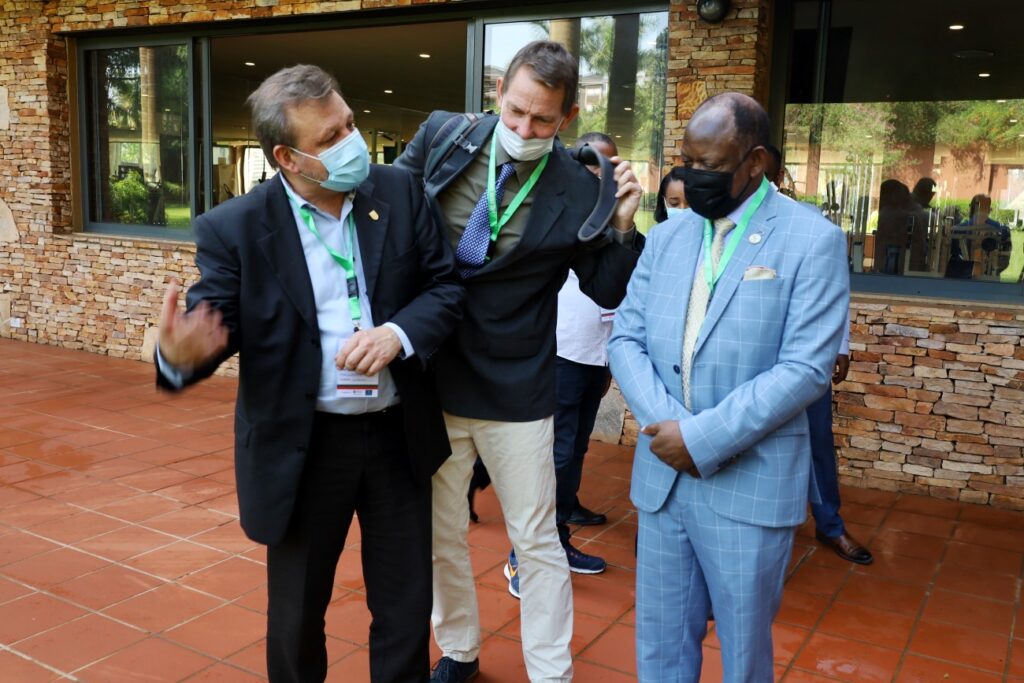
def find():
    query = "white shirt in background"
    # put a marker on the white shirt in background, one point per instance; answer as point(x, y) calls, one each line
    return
point(583, 327)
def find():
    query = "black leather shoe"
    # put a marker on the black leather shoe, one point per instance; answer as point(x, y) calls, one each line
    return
point(447, 670)
point(846, 547)
point(581, 516)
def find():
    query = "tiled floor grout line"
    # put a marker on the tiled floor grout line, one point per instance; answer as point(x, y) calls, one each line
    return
point(929, 587)
point(22, 655)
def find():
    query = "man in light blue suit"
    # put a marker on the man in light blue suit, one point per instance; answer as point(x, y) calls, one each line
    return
point(729, 330)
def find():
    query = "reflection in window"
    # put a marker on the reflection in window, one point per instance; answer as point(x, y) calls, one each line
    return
point(623, 59)
point(138, 145)
point(921, 188)
point(389, 97)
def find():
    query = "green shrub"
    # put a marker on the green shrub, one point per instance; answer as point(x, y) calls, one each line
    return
point(129, 199)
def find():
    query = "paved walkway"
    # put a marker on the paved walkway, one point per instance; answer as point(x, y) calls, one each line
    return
point(121, 558)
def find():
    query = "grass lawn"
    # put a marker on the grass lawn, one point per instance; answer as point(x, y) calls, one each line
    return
point(1012, 272)
point(178, 216)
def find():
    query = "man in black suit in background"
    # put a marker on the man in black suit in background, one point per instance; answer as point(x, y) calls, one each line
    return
point(511, 200)
point(334, 286)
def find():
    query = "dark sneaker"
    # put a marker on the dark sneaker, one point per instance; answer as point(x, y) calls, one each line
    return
point(512, 574)
point(581, 516)
point(581, 563)
point(447, 670)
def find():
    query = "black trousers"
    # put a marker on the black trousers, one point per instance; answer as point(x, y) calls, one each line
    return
point(355, 464)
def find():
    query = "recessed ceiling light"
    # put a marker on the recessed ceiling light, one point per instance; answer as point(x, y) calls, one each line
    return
point(366, 111)
point(618, 136)
point(1001, 101)
point(167, 109)
point(250, 63)
point(1011, 120)
point(424, 55)
point(628, 108)
point(869, 135)
point(956, 27)
point(388, 92)
point(984, 75)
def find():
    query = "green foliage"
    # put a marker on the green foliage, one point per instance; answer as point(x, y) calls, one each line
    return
point(129, 199)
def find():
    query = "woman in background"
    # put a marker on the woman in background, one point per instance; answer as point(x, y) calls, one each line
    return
point(671, 200)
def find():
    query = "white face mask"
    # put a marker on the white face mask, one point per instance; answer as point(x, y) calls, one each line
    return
point(520, 149)
point(674, 211)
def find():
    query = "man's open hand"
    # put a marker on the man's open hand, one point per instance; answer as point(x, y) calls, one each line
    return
point(188, 340)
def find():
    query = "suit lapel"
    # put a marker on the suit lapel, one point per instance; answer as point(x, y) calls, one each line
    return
point(762, 224)
point(371, 218)
point(681, 261)
point(283, 250)
point(545, 209)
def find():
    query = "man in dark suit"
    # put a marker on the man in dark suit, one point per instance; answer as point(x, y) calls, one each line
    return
point(334, 286)
point(511, 201)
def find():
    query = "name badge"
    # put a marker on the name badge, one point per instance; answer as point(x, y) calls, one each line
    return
point(353, 385)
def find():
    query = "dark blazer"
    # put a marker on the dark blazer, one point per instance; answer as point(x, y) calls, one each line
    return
point(500, 364)
point(253, 270)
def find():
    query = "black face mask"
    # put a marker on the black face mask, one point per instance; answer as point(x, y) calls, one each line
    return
point(709, 193)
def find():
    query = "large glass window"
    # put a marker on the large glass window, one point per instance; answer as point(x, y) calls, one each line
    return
point(623, 60)
point(138, 142)
point(909, 134)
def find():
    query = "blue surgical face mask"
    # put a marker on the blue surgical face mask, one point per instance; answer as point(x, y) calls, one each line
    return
point(674, 211)
point(347, 163)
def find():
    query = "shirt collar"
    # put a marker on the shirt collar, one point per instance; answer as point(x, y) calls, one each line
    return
point(298, 201)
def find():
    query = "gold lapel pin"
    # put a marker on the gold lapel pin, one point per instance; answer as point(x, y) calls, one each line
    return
point(373, 214)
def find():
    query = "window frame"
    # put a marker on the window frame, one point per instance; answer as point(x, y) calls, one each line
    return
point(87, 125)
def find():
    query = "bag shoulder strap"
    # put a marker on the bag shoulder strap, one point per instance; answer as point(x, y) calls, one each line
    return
point(449, 136)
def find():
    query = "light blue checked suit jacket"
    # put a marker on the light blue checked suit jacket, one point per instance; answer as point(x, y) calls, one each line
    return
point(765, 351)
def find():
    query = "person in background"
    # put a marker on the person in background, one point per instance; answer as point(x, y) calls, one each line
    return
point(980, 215)
point(671, 197)
point(829, 527)
point(334, 287)
point(581, 379)
point(901, 228)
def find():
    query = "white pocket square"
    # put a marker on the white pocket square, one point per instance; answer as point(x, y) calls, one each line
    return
point(759, 273)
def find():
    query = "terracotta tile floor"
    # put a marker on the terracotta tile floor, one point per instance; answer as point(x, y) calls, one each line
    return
point(121, 557)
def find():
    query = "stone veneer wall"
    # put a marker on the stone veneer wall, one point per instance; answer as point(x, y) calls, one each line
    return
point(933, 402)
point(707, 59)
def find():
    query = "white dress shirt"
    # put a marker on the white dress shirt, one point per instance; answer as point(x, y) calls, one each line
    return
point(330, 292)
point(583, 327)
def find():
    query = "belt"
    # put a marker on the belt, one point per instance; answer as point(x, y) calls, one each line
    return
point(387, 414)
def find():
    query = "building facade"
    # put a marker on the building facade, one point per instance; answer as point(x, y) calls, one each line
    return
point(120, 121)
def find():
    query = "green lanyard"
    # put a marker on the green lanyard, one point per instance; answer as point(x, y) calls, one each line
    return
point(492, 203)
point(348, 264)
point(734, 239)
